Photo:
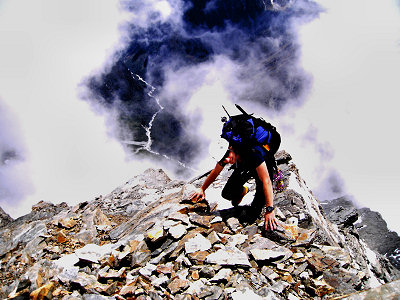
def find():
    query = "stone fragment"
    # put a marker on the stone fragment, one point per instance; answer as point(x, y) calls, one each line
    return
point(197, 243)
point(140, 258)
point(103, 228)
point(43, 292)
point(246, 293)
point(185, 296)
point(229, 257)
point(164, 268)
point(86, 281)
point(234, 224)
point(113, 274)
point(67, 223)
point(219, 227)
point(198, 257)
point(223, 275)
point(92, 252)
point(279, 286)
point(67, 261)
point(61, 237)
point(99, 218)
point(166, 252)
point(177, 216)
point(187, 190)
point(300, 269)
point(196, 287)
point(170, 223)
point(211, 293)
point(237, 239)
point(178, 285)
point(160, 281)
point(250, 231)
point(177, 231)
point(288, 278)
point(156, 234)
point(181, 244)
point(341, 256)
point(305, 237)
point(128, 289)
point(195, 275)
point(321, 287)
point(217, 219)
point(266, 254)
point(297, 255)
point(148, 269)
point(213, 238)
point(269, 273)
point(259, 242)
point(207, 272)
point(201, 220)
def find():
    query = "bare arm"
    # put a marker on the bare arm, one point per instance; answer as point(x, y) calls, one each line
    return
point(270, 219)
point(200, 193)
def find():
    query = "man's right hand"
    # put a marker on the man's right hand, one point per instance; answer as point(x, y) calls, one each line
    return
point(197, 195)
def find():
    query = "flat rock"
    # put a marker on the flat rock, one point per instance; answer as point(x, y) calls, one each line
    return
point(229, 257)
point(223, 275)
point(177, 231)
point(267, 254)
point(197, 243)
point(178, 285)
point(234, 224)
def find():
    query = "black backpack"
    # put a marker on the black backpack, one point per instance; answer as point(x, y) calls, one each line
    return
point(246, 131)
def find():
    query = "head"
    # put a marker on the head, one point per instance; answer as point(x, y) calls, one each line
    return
point(233, 155)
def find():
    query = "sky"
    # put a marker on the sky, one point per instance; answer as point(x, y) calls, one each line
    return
point(344, 134)
point(65, 153)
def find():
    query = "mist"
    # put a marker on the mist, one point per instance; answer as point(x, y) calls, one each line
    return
point(54, 146)
point(353, 52)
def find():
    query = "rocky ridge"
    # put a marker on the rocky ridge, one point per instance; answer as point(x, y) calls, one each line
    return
point(369, 224)
point(147, 240)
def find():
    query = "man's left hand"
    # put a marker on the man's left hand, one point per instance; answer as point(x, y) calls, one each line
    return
point(270, 221)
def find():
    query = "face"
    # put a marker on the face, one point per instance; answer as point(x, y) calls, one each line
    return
point(232, 157)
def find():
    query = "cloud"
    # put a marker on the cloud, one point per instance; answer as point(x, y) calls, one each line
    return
point(14, 185)
point(353, 52)
point(243, 52)
point(62, 148)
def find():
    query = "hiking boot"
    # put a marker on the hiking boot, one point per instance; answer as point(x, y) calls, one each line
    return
point(237, 202)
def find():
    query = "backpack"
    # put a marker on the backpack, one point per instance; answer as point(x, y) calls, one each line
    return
point(247, 130)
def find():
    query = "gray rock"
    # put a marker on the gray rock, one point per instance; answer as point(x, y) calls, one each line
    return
point(97, 297)
point(177, 231)
point(234, 224)
point(229, 257)
point(197, 243)
point(223, 275)
point(4, 218)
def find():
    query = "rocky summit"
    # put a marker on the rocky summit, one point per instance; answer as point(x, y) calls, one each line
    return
point(147, 240)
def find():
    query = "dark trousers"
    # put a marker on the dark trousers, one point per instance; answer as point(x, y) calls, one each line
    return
point(233, 189)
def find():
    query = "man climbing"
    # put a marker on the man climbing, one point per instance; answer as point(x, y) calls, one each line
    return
point(250, 160)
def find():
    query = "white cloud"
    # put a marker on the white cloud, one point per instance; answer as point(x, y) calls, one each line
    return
point(47, 49)
point(354, 55)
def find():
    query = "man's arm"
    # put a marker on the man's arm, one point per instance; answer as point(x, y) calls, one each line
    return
point(200, 193)
point(270, 219)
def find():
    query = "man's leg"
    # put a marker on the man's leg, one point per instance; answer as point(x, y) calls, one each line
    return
point(234, 189)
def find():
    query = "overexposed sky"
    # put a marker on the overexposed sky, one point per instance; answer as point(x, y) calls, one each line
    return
point(353, 53)
point(47, 47)
point(347, 125)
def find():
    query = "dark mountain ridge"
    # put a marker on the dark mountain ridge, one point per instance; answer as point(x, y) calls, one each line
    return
point(369, 224)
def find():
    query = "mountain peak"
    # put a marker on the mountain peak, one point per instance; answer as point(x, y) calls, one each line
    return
point(147, 240)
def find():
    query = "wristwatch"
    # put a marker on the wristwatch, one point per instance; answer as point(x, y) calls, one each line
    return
point(270, 208)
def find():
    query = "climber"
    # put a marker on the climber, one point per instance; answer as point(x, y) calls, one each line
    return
point(249, 162)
